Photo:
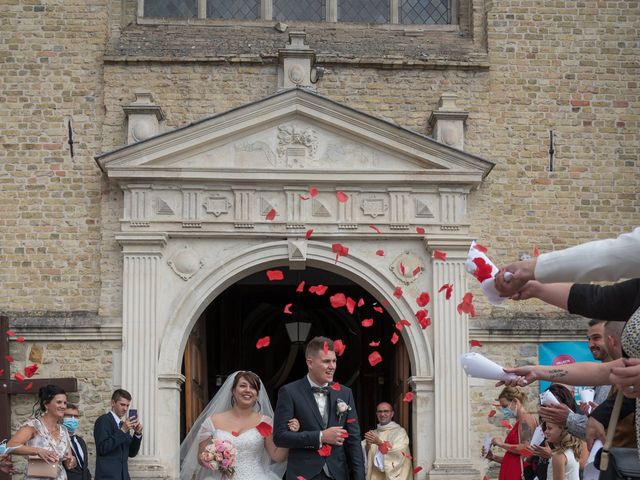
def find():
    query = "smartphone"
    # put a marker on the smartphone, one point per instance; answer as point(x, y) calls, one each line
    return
point(133, 413)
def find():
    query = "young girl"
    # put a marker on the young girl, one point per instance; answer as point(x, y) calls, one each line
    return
point(566, 450)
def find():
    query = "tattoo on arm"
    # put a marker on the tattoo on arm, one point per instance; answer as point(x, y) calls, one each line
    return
point(557, 373)
point(525, 432)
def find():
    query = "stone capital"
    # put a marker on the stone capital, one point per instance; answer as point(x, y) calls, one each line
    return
point(455, 246)
point(171, 381)
point(141, 243)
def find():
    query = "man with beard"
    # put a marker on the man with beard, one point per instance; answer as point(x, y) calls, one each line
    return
point(387, 448)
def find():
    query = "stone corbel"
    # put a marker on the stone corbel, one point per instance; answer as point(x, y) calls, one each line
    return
point(297, 254)
point(448, 122)
point(295, 63)
point(143, 118)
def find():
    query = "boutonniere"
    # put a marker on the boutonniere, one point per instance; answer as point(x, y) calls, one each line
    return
point(341, 408)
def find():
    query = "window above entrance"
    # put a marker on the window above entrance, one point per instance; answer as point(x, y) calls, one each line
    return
point(405, 12)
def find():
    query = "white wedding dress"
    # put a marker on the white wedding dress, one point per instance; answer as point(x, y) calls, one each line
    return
point(252, 462)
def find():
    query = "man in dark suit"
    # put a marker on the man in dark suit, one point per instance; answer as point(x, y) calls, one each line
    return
point(78, 445)
point(327, 445)
point(118, 437)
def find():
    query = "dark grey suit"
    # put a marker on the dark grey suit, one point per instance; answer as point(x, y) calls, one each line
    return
point(113, 449)
point(296, 399)
point(79, 472)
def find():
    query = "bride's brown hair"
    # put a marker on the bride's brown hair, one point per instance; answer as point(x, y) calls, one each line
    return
point(252, 378)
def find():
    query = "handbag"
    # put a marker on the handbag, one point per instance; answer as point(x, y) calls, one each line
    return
point(617, 463)
point(37, 467)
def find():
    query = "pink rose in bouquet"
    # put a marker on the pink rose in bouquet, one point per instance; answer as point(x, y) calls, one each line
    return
point(220, 455)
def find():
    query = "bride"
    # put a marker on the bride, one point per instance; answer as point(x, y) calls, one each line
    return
point(240, 406)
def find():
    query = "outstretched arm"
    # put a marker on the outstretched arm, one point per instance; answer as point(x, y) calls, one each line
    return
point(282, 436)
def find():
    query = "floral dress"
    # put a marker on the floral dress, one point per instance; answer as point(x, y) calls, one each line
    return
point(43, 439)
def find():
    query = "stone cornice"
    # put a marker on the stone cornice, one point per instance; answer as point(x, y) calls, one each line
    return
point(60, 326)
point(529, 329)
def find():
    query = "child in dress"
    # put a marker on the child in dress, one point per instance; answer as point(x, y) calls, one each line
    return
point(565, 452)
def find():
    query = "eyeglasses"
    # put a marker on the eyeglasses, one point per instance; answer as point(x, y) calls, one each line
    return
point(384, 411)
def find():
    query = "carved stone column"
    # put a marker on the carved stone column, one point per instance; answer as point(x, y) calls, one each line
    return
point(422, 422)
point(450, 340)
point(169, 387)
point(142, 254)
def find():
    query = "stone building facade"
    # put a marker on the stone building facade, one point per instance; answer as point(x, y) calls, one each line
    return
point(84, 236)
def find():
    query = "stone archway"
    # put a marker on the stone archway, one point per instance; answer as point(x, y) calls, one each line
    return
point(214, 201)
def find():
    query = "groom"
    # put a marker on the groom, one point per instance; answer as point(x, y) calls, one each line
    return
point(327, 446)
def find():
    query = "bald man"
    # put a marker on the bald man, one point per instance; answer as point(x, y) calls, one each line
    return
point(396, 462)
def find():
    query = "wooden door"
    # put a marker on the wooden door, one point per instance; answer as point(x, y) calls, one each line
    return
point(402, 367)
point(195, 372)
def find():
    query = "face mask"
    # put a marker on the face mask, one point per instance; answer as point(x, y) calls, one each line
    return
point(508, 413)
point(71, 424)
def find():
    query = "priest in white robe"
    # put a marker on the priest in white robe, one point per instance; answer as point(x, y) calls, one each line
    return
point(387, 448)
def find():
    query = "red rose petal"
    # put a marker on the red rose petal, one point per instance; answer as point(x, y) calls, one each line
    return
point(466, 306)
point(384, 448)
point(11, 333)
point(492, 413)
point(235, 434)
point(480, 248)
point(475, 343)
point(394, 338)
point(424, 322)
point(449, 289)
point(313, 192)
point(271, 214)
point(380, 253)
point(335, 386)
point(8, 358)
point(308, 234)
point(304, 197)
point(483, 269)
point(417, 470)
point(402, 269)
point(342, 197)
point(402, 323)
point(378, 309)
point(20, 339)
point(324, 451)
point(374, 344)
point(18, 376)
point(338, 300)
point(287, 309)
point(274, 275)
point(374, 358)
point(420, 230)
point(416, 270)
point(339, 347)
point(505, 424)
point(374, 228)
point(344, 435)
point(397, 292)
point(408, 397)
point(300, 477)
point(367, 322)
point(264, 429)
point(28, 386)
point(351, 304)
point(423, 299)
point(30, 370)
point(300, 287)
point(439, 255)
point(536, 252)
point(318, 289)
point(325, 347)
point(404, 454)
point(422, 314)
point(384, 303)
point(263, 342)
point(360, 302)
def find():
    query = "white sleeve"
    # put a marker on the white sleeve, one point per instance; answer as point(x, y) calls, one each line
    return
point(600, 260)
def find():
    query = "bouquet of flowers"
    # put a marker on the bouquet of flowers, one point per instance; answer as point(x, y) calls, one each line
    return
point(220, 455)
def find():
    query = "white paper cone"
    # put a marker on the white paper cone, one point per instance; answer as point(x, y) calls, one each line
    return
point(478, 366)
point(486, 444)
point(488, 286)
point(538, 436)
point(587, 395)
point(548, 398)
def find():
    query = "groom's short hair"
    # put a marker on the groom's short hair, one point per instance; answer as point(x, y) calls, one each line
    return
point(316, 344)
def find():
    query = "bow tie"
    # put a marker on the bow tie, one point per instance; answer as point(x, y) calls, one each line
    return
point(322, 390)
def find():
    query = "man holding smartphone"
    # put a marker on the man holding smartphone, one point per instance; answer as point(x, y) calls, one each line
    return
point(118, 437)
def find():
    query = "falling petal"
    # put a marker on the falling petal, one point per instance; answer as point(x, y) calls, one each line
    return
point(374, 344)
point(324, 451)
point(335, 386)
point(420, 230)
point(475, 343)
point(536, 252)
point(480, 248)
point(300, 288)
point(374, 228)
point(342, 197)
point(380, 253)
point(423, 299)
point(287, 309)
point(339, 347)
point(11, 333)
point(351, 305)
point(374, 358)
point(367, 322)
point(274, 275)
point(338, 300)
point(313, 192)
point(263, 342)
point(271, 214)
point(378, 309)
point(394, 338)
point(416, 270)
point(397, 292)
point(18, 376)
point(439, 255)
point(308, 234)
point(30, 370)
point(264, 429)
point(20, 339)
point(360, 302)
point(408, 397)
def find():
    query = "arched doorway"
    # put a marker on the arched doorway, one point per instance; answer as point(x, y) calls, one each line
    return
point(224, 340)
